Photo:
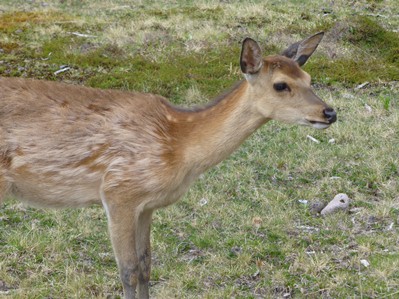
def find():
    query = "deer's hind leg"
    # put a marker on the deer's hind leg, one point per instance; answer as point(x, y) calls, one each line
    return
point(5, 185)
point(5, 165)
point(143, 247)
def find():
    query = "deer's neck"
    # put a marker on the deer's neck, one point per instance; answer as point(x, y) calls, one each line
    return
point(209, 135)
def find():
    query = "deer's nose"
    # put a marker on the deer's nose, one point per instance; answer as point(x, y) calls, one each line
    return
point(330, 115)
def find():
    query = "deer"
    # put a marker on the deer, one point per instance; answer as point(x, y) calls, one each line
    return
point(71, 146)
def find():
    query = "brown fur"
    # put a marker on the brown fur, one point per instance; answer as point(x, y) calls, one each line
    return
point(69, 146)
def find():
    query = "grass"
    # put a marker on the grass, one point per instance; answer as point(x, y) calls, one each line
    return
point(252, 238)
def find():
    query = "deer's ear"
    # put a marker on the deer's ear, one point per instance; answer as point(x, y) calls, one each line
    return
point(301, 51)
point(251, 59)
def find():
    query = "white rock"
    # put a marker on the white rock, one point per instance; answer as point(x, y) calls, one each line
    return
point(203, 202)
point(340, 202)
point(313, 139)
point(360, 86)
point(348, 96)
point(368, 108)
point(390, 226)
point(62, 69)
point(365, 263)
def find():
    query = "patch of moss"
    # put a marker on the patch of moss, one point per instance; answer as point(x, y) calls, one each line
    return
point(9, 22)
point(209, 71)
point(378, 59)
point(74, 51)
point(324, 25)
point(189, 11)
point(253, 21)
point(375, 38)
point(107, 66)
point(8, 47)
point(349, 71)
point(101, 57)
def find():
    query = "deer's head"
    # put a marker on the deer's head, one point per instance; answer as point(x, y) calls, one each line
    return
point(280, 89)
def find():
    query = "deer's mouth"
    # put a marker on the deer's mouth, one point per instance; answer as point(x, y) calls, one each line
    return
point(318, 124)
point(330, 117)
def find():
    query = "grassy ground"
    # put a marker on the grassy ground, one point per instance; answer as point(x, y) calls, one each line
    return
point(241, 231)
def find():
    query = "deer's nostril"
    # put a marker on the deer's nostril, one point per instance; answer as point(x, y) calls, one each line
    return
point(330, 114)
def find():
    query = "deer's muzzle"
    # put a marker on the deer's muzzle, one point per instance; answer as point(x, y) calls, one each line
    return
point(330, 115)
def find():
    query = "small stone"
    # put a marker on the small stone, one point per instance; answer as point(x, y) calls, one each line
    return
point(256, 274)
point(316, 207)
point(236, 250)
point(257, 222)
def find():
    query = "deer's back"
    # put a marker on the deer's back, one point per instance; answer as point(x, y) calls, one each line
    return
point(65, 139)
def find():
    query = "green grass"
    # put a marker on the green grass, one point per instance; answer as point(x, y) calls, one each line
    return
point(252, 239)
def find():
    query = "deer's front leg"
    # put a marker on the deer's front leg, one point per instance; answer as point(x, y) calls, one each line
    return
point(122, 222)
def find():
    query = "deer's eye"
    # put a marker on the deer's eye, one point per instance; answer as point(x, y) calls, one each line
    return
point(281, 86)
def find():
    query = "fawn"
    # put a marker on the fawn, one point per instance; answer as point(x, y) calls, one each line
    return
point(70, 146)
